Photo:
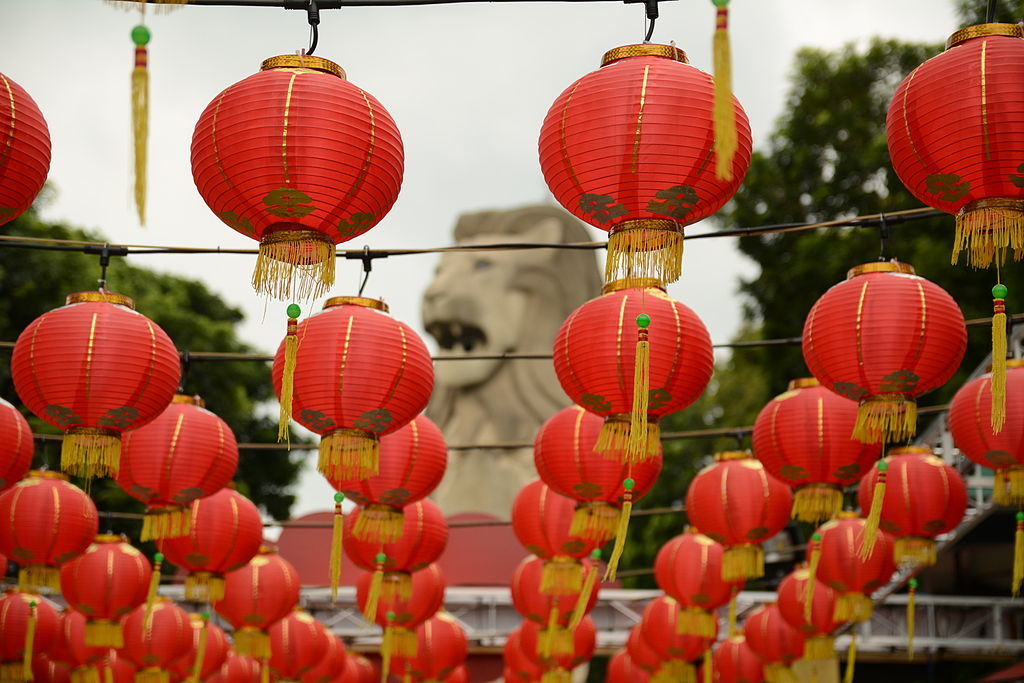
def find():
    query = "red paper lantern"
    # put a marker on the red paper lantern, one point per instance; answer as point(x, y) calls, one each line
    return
point(185, 454)
point(15, 442)
point(972, 431)
point(884, 337)
point(641, 652)
point(441, 648)
point(299, 159)
point(214, 650)
point(840, 565)
point(558, 664)
point(121, 670)
point(962, 154)
point(255, 596)
point(412, 462)
point(817, 630)
point(660, 628)
point(47, 670)
point(735, 662)
point(689, 568)
point(45, 521)
point(622, 669)
point(566, 460)
point(226, 533)
point(94, 368)
point(359, 669)
point(24, 152)
point(153, 644)
point(803, 438)
point(359, 375)
point(106, 582)
point(298, 643)
point(517, 664)
point(629, 148)
point(237, 669)
point(737, 503)
point(425, 598)
point(923, 497)
point(69, 647)
point(23, 614)
point(774, 640)
point(555, 611)
point(332, 664)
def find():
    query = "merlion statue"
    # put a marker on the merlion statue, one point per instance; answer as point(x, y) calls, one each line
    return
point(494, 302)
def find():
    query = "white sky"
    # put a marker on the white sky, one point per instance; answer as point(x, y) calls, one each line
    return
point(468, 85)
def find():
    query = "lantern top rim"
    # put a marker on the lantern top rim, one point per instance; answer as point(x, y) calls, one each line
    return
point(911, 450)
point(644, 50)
point(847, 514)
point(638, 283)
point(364, 301)
point(733, 455)
point(1010, 363)
point(194, 400)
point(803, 383)
point(983, 30)
point(109, 538)
point(103, 296)
point(46, 474)
point(880, 267)
point(303, 62)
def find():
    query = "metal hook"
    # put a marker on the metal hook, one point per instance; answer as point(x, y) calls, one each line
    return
point(367, 260)
point(313, 16)
point(186, 363)
point(883, 233)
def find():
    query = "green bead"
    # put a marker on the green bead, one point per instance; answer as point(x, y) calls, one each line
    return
point(158, 558)
point(381, 558)
point(1020, 516)
point(816, 537)
point(390, 616)
point(339, 497)
point(643, 320)
point(628, 484)
point(140, 35)
point(882, 466)
point(293, 311)
point(205, 616)
point(32, 604)
point(595, 554)
point(999, 292)
point(720, 3)
point(912, 583)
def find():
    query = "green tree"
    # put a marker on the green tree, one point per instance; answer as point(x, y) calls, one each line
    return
point(975, 12)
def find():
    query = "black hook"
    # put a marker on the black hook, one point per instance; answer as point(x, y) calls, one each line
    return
point(367, 260)
point(883, 233)
point(186, 364)
point(740, 436)
point(651, 8)
point(313, 16)
point(104, 252)
point(990, 15)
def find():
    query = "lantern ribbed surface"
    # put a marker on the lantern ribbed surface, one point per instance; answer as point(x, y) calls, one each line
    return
point(69, 644)
point(963, 154)
point(185, 454)
point(641, 652)
point(154, 646)
point(541, 520)
point(424, 537)
point(792, 594)
point(237, 669)
point(226, 532)
point(332, 664)
point(622, 669)
point(15, 612)
point(359, 669)
point(441, 647)
point(803, 437)
point(24, 150)
point(300, 159)
point(15, 445)
point(45, 521)
point(883, 337)
point(425, 598)
point(517, 662)
point(94, 368)
point(297, 644)
point(359, 375)
point(537, 606)
point(773, 638)
point(583, 642)
point(840, 565)
point(689, 569)
point(734, 661)
point(660, 628)
point(215, 651)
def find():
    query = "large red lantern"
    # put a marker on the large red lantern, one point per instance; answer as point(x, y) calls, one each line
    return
point(298, 643)
point(237, 669)
point(622, 669)
point(441, 647)
point(737, 503)
point(255, 596)
point(922, 497)
point(735, 662)
point(28, 624)
point(359, 375)
point(816, 627)
point(15, 443)
point(803, 437)
point(94, 368)
point(106, 582)
point(185, 454)
point(412, 463)
point(629, 148)
point(45, 521)
point(689, 568)
point(558, 663)
point(208, 650)
point(332, 664)
point(299, 159)
point(660, 628)
point(775, 641)
point(841, 565)
point(962, 154)
point(226, 533)
point(884, 337)
point(24, 152)
point(153, 642)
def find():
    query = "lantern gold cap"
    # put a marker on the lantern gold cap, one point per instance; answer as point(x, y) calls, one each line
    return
point(733, 455)
point(803, 383)
point(106, 297)
point(303, 62)
point(880, 267)
point(982, 30)
point(109, 538)
point(190, 400)
point(848, 514)
point(644, 50)
point(639, 283)
point(364, 301)
point(46, 474)
point(911, 450)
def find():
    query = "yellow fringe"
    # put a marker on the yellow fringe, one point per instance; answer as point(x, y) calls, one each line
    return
point(731, 617)
point(855, 607)
point(204, 587)
point(104, 633)
point(1018, 556)
point(291, 351)
point(562, 576)
point(709, 666)
point(197, 665)
point(812, 578)
point(675, 671)
point(911, 619)
point(152, 675)
point(580, 610)
point(556, 675)
point(294, 264)
point(379, 524)
point(870, 533)
point(594, 520)
point(693, 621)
point(404, 643)
point(1009, 486)
point(140, 126)
point(265, 669)
point(776, 672)
point(819, 647)
point(397, 587)
point(172, 522)
point(86, 674)
point(817, 503)
point(12, 671)
point(373, 595)
point(888, 417)
point(87, 452)
point(636, 447)
point(986, 233)
point(349, 454)
point(548, 635)
point(252, 642)
point(108, 673)
point(337, 539)
point(620, 539)
point(640, 253)
point(742, 562)
point(30, 639)
point(914, 550)
point(561, 641)
point(154, 585)
point(38, 576)
point(724, 113)
point(851, 658)
point(998, 384)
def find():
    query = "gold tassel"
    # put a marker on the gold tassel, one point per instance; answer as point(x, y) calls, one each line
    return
point(108, 672)
point(911, 613)
point(986, 229)
point(252, 642)
point(404, 643)
point(38, 576)
point(562, 575)
point(642, 249)
point(817, 503)
point(855, 607)
point(675, 671)
point(349, 454)
point(90, 452)
point(265, 669)
point(169, 522)
point(337, 534)
point(197, 665)
point(724, 113)
point(294, 264)
point(291, 351)
point(776, 672)
point(204, 587)
point(152, 675)
point(88, 674)
point(915, 551)
point(621, 531)
point(998, 385)
point(870, 534)
point(556, 675)
point(693, 621)
point(387, 648)
point(30, 637)
point(583, 599)
point(731, 617)
point(851, 657)
point(378, 523)
point(594, 520)
point(140, 115)
point(154, 584)
point(104, 633)
point(548, 637)
point(709, 667)
point(636, 447)
point(376, 584)
point(744, 561)
point(1018, 555)
point(885, 417)
point(819, 647)
point(812, 575)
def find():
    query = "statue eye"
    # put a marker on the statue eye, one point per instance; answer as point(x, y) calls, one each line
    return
point(482, 264)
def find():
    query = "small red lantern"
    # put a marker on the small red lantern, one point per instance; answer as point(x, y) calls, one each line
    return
point(207, 652)
point(641, 652)
point(359, 375)
point(558, 664)
point(689, 568)
point(735, 662)
point(441, 647)
point(884, 337)
point(332, 664)
point(300, 159)
point(237, 669)
point(840, 565)
point(556, 612)
point(45, 521)
point(298, 643)
point(94, 368)
point(69, 646)
point(817, 630)
point(522, 667)
point(660, 628)
point(622, 669)
point(412, 462)
point(629, 149)
point(359, 669)
point(152, 642)
point(921, 498)
point(47, 670)
point(803, 437)
point(25, 155)
point(119, 668)
point(226, 533)
point(185, 454)
point(962, 154)
point(255, 596)
point(15, 443)
point(28, 624)
point(774, 640)
point(737, 503)
point(106, 582)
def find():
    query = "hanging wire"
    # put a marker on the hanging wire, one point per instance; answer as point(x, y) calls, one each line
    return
point(883, 237)
point(313, 16)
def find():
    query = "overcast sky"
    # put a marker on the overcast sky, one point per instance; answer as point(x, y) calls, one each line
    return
point(468, 86)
